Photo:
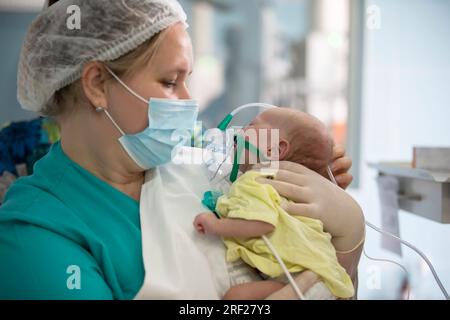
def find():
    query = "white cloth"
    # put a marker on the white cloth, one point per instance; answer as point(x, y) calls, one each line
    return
point(180, 263)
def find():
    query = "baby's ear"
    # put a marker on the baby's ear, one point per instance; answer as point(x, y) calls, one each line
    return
point(283, 150)
point(284, 147)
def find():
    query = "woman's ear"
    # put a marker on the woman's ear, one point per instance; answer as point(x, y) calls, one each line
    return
point(93, 82)
point(283, 150)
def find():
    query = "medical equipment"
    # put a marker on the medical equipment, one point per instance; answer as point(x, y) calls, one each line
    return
point(390, 261)
point(227, 143)
point(420, 253)
point(224, 124)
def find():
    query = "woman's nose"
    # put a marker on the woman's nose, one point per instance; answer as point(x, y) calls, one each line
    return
point(184, 93)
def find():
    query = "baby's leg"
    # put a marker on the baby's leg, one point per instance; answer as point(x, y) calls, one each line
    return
point(304, 281)
point(257, 290)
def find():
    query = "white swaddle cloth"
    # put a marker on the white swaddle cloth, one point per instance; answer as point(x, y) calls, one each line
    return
point(180, 263)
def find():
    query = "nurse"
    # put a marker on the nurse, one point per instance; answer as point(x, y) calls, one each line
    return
point(72, 229)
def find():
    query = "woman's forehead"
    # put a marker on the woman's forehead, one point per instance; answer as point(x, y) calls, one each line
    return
point(175, 51)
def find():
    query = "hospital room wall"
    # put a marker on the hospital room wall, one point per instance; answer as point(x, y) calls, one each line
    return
point(13, 26)
point(406, 102)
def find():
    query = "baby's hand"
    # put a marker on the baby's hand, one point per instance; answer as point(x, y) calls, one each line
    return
point(206, 223)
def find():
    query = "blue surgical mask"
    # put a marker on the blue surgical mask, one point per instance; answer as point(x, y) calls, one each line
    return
point(171, 123)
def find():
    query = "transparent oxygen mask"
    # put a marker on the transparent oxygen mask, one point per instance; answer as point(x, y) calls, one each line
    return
point(219, 147)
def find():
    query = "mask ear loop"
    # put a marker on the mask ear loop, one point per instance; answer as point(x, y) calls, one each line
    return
point(128, 89)
point(114, 123)
point(125, 86)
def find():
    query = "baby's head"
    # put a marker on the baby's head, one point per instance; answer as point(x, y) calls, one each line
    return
point(302, 138)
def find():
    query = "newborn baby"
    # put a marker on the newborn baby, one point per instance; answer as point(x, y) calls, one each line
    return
point(251, 209)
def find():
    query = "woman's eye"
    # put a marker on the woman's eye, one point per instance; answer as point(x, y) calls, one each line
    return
point(170, 84)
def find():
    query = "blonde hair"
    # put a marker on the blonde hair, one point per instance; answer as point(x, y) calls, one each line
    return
point(72, 94)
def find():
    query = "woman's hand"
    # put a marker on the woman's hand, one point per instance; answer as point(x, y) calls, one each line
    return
point(316, 197)
point(340, 166)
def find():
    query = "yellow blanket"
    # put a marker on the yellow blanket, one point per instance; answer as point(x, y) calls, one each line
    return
point(300, 241)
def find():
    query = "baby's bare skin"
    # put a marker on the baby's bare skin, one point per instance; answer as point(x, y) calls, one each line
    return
point(271, 289)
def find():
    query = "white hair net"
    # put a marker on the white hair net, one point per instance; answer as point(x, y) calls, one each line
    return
point(53, 54)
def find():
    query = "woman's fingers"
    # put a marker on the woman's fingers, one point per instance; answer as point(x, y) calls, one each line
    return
point(340, 168)
point(284, 165)
point(290, 177)
point(344, 180)
point(338, 152)
point(293, 167)
point(288, 190)
point(300, 209)
point(341, 165)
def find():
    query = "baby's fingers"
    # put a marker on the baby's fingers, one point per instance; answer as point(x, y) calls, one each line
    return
point(199, 227)
point(198, 224)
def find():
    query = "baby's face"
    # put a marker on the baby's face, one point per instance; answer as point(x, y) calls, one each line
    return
point(263, 134)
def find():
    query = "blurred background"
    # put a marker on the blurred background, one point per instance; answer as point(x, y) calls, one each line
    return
point(377, 72)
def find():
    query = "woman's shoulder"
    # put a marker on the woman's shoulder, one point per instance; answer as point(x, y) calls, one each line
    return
point(40, 194)
point(35, 195)
point(36, 199)
point(29, 206)
point(26, 199)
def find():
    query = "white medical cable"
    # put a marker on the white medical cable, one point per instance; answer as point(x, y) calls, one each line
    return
point(285, 270)
point(253, 104)
point(420, 253)
point(390, 261)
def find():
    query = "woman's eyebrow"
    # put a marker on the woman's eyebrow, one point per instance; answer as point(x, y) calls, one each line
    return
point(180, 71)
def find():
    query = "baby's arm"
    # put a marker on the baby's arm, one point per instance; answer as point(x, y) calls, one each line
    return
point(235, 228)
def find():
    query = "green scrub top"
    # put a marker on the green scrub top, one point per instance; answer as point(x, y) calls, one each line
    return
point(66, 234)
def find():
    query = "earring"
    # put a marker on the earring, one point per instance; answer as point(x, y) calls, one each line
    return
point(98, 109)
